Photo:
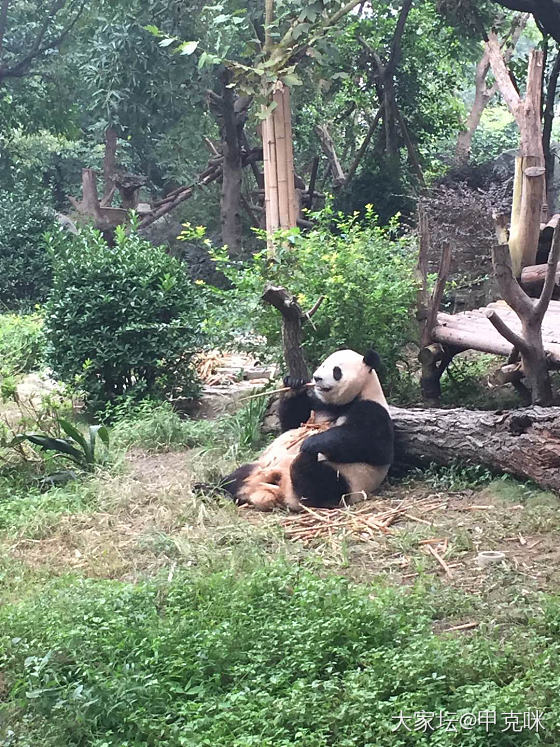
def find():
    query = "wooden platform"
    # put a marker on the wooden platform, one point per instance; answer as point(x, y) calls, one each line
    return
point(472, 330)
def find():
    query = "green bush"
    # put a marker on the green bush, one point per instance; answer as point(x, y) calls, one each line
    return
point(25, 267)
point(121, 322)
point(20, 343)
point(364, 272)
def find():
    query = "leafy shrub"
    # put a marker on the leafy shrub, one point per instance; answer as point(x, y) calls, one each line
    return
point(25, 266)
point(363, 271)
point(20, 343)
point(122, 321)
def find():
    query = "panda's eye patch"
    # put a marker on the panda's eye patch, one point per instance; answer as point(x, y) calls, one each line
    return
point(337, 373)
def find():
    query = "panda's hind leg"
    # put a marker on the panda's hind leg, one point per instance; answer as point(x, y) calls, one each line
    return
point(316, 483)
point(234, 482)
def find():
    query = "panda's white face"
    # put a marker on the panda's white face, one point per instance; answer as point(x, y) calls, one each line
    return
point(343, 376)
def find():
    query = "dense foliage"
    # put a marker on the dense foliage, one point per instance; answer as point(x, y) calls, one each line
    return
point(363, 271)
point(21, 338)
point(274, 657)
point(121, 321)
point(25, 270)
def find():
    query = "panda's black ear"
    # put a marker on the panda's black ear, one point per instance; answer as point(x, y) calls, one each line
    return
point(372, 359)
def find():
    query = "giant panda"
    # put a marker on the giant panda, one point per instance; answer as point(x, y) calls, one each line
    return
point(347, 457)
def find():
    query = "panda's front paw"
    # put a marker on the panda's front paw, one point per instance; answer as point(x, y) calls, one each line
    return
point(295, 383)
point(311, 445)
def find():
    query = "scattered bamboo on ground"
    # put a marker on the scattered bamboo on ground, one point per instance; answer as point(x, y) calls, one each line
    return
point(366, 521)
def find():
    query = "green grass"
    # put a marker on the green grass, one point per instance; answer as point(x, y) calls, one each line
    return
point(157, 427)
point(274, 656)
point(24, 505)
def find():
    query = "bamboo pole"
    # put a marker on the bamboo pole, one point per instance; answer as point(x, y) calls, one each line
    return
point(271, 187)
point(281, 158)
point(267, 175)
point(292, 201)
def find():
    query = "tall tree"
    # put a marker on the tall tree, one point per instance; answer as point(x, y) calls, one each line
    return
point(30, 31)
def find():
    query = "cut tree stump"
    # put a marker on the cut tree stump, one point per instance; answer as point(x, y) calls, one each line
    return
point(524, 443)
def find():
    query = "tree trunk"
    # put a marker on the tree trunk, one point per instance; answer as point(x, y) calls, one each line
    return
point(525, 443)
point(230, 206)
point(482, 96)
point(484, 93)
point(548, 118)
point(529, 183)
point(292, 335)
point(533, 277)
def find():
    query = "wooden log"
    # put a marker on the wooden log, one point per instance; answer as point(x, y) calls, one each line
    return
point(490, 343)
point(532, 278)
point(524, 443)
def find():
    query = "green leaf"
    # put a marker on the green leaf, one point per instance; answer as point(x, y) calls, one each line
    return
point(73, 432)
point(292, 80)
point(97, 431)
point(153, 30)
point(50, 444)
point(187, 48)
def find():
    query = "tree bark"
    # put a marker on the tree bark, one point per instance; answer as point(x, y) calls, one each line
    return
point(524, 443)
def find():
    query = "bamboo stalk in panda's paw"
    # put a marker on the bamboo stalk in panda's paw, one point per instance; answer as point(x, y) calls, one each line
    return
point(270, 392)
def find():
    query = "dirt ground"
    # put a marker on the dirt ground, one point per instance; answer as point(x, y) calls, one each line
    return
point(148, 521)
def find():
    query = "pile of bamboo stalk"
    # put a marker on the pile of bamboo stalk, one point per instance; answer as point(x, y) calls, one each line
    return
point(365, 521)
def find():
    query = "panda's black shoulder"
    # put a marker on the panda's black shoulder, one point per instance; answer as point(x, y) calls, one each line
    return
point(367, 414)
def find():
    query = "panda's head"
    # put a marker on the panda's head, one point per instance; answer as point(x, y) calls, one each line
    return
point(345, 375)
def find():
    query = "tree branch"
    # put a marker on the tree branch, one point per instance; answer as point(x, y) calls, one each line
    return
point(501, 73)
point(517, 341)
point(512, 292)
point(545, 12)
point(394, 57)
point(363, 147)
point(19, 69)
point(314, 308)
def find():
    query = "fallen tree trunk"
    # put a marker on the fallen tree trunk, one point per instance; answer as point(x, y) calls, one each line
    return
point(524, 443)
